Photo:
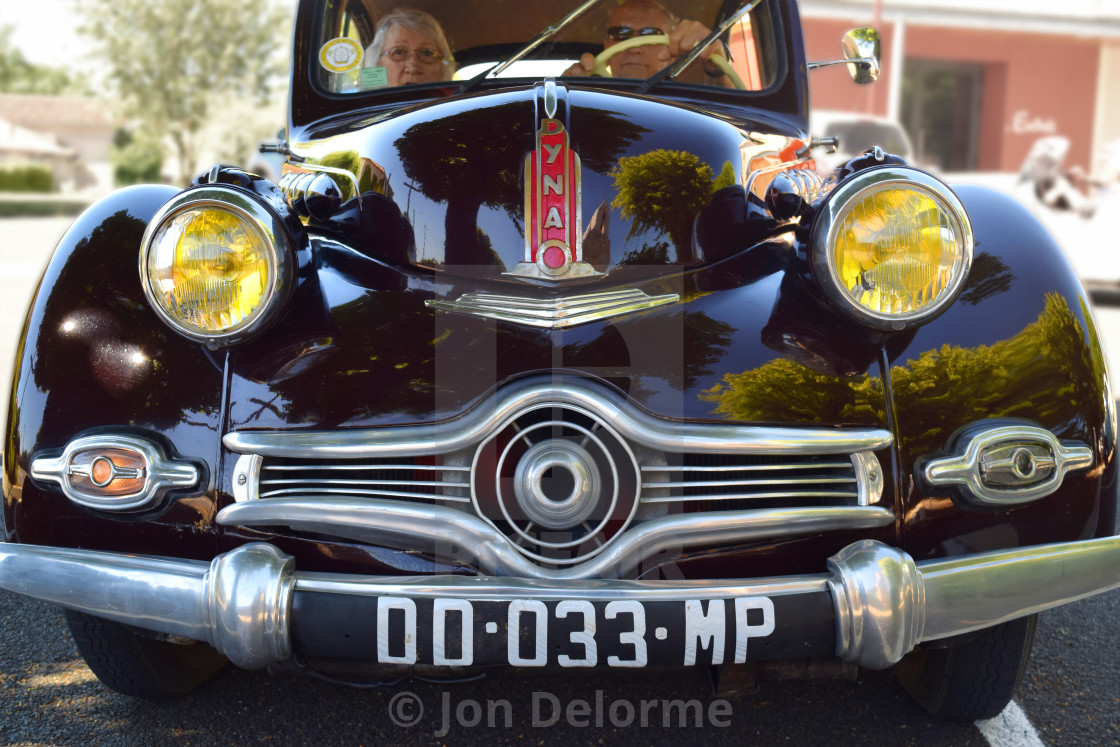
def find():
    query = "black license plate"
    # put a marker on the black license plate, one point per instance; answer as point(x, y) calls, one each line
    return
point(624, 633)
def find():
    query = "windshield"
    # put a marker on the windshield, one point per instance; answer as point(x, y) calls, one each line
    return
point(366, 45)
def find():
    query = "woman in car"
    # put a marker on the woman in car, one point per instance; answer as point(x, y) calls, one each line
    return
point(411, 46)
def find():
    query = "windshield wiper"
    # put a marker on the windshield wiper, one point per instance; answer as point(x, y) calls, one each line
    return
point(547, 33)
point(678, 67)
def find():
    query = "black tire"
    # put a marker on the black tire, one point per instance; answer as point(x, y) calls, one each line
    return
point(142, 667)
point(974, 678)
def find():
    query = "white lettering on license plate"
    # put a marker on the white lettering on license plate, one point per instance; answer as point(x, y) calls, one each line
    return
point(527, 624)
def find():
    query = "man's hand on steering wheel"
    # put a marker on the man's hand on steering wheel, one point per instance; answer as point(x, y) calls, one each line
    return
point(687, 35)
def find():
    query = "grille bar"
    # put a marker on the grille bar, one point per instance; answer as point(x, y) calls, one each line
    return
point(341, 466)
point(362, 491)
point(746, 483)
point(750, 496)
point(320, 481)
point(750, 467)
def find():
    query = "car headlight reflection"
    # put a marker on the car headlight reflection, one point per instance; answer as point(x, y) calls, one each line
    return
point(215, 265)
point(893, 247)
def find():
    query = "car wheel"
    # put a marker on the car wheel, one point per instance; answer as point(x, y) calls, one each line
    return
point(142, 667)
point(974, 678)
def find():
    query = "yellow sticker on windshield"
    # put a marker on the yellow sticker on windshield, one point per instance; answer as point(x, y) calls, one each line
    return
point(340, 55)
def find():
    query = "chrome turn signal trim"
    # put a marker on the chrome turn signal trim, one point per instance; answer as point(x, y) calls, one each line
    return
point(91, 472)
point(554, 313)
point(1004, 465)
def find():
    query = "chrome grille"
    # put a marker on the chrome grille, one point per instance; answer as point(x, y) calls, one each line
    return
point(566, 475)
point(390, 478)
point(717, 482)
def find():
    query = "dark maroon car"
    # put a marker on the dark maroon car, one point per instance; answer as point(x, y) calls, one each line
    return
point(524, 364)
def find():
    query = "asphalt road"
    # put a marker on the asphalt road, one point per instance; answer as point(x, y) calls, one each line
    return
point(1071, 694)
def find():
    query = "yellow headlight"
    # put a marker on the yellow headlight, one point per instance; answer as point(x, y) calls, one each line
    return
point(211, 268)
point(895, 246)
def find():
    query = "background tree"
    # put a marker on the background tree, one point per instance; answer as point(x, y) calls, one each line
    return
point(176, 64)
point(17, 75)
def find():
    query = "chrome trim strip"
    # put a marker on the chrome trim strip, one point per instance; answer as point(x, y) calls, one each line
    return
point(163, 473)
point(744, 496)
point(884, 602)
point(631, 423)
point(553, 313)
point(966, 468)
point(270, 494)
point(369, 467)
point(481, 588)
point(747, 483)
point(786, 467)
point(460, 537)
point(395, 483)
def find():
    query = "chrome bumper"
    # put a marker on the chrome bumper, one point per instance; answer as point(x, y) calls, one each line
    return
point(884, 602)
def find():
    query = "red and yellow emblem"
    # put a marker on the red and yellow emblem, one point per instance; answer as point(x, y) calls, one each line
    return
point(553, 246)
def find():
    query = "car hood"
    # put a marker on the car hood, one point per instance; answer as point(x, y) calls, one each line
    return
point(415, 312)
point(466, 186)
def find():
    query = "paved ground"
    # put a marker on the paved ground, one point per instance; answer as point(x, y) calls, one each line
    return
point(25, 246)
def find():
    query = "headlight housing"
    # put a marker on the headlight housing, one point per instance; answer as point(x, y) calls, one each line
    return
point(216, 265)
point(892, 247)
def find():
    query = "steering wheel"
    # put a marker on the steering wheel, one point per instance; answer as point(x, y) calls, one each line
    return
point(601, 59)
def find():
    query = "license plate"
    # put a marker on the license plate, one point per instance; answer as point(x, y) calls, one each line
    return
point(570, 633)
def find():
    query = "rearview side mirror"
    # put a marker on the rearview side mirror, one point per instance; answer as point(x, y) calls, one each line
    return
point(862, 51)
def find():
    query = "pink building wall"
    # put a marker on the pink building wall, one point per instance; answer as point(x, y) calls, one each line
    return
point(1034, 84)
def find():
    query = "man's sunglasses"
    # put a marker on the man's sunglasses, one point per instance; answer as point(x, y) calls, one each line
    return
point(622, 33)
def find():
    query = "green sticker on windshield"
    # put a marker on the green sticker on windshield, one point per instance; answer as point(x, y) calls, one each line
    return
point(374, 77)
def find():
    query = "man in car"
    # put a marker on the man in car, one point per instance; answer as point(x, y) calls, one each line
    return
point(648, 18)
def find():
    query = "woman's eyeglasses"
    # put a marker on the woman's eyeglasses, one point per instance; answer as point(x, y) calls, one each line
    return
point(401, 54)
point(622, 33)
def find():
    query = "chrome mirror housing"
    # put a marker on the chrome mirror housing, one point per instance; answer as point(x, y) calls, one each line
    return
point(862, 49)
point(862, 52)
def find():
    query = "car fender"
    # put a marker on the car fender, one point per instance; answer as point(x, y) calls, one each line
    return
point(1019, 342)
point(94, 358)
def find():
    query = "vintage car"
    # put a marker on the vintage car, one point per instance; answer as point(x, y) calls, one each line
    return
point(518, 366)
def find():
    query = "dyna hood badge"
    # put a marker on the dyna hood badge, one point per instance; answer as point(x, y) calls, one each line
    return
point(553, 220)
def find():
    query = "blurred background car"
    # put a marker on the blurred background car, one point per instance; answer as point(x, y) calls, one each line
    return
point(854, 134)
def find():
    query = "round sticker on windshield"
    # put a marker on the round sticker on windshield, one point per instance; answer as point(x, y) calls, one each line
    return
point(340, 55)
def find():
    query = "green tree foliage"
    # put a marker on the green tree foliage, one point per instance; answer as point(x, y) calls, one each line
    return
point(783, 390)
point(175, 64)
point(662, 190)
point(17, 75)
point(26, 177)
point(1039, 374)
point(135, 160)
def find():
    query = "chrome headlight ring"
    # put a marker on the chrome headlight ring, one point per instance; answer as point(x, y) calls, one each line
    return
point(848, 196)
point(257, 217)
